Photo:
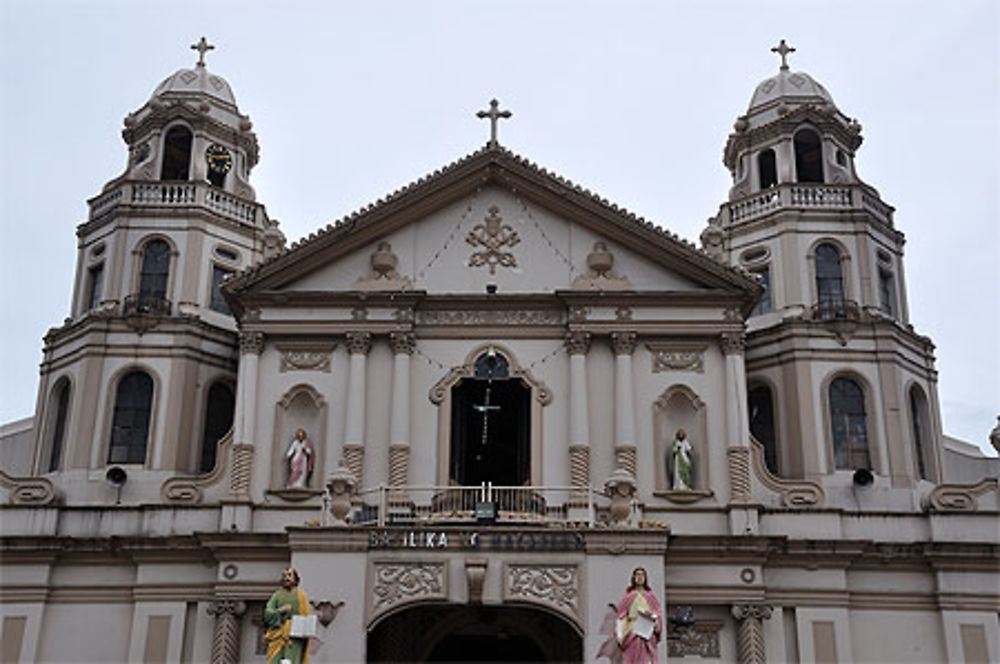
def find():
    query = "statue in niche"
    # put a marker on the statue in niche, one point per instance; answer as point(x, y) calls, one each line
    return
point(679, 464)
point(599, 275)
point(301, 457)
point(383, 275)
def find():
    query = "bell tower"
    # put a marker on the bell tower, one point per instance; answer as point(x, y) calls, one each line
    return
point(838, 380)
point(142, 373)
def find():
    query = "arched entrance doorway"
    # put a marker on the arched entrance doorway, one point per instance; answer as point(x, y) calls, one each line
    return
point(462, 633)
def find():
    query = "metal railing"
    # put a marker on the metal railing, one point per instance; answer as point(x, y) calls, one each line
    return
point(387, 505)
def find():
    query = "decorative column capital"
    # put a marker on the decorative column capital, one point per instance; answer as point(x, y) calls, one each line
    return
point(756, 611)
point(577, 343)
point(251, 342)
point(227, 607)
point(402, 343)
point(732, 343)
point(624, 342)
point(359, 343)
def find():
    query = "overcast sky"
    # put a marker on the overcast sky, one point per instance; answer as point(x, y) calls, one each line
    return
point(631, 99)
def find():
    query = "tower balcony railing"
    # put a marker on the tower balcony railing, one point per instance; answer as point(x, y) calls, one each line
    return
point(139, 304)
point(809, 196)
point(145, 194)
point(388, 505)
point(836, 310)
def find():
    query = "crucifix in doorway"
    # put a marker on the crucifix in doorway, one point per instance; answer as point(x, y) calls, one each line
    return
point(485, 409)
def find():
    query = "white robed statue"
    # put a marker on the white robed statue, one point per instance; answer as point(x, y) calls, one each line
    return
point(680, 462)
point(301, 458)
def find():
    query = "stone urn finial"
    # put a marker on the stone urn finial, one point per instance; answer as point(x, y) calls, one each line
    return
point(384, 261)
point(995, 436)
point(341, 485)
point(600, 260)
point(620, 487)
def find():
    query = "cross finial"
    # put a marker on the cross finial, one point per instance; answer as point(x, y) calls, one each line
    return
point(202, 47)
point(783, 50)
point(493, 114)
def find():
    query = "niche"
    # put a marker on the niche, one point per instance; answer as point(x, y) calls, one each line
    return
point(679, 407)
point(302, 407)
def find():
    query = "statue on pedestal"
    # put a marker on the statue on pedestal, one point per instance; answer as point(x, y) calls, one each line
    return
point(301, 456)
point(679, 464)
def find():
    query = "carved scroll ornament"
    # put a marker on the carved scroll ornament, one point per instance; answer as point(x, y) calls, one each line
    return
point(399, 583)
point(556, 586)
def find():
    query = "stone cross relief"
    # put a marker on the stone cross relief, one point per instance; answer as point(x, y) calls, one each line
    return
point(493, 236)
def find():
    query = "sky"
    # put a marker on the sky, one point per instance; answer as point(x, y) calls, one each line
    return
point(633, 100)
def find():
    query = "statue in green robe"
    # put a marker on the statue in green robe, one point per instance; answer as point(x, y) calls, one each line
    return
point(287, 601)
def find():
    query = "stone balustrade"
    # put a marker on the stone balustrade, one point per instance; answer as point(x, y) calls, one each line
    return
point(812, 196)
point(176, 194)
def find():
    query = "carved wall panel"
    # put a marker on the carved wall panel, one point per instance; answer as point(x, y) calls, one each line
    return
point(555, 586)
point(396, 583)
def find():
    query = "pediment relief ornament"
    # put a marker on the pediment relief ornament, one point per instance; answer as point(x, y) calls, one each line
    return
point(599, 275)
point(383, 275)
point(493, 236)
point(515, 317)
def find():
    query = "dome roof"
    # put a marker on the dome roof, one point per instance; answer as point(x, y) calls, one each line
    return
point(799, 86)
point(196, 81)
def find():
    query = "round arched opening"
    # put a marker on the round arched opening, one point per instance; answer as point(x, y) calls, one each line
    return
point(469, 633)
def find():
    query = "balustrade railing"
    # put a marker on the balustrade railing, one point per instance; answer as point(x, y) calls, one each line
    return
point(812, 196)
point(176, 194)
point(145, 305)
point(383, 505)
point(832, 310)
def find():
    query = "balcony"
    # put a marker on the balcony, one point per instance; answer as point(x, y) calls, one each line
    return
point(174, 195)
point(841, 317)
point(794, 196)
point(141, 312)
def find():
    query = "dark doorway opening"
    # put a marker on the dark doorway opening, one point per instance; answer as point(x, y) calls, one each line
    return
point(490, 426)
point(453, 633)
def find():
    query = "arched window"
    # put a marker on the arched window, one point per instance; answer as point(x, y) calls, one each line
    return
point(155, 269)
point(808, 156)
point(130, 427)
point(760, 406)
point(60, 401)
point(767, 168)
point(849, 425)
point(921, 430)
point(829, 275)
point(176, 154)
point(218, 420)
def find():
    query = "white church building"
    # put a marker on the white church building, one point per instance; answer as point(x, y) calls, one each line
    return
point(510, 392)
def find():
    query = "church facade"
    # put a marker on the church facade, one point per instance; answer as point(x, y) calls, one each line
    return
point(466, 413)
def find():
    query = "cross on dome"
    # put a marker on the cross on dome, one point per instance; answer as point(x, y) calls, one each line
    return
point(494, 114)
point(202, 47)
point(783, 50)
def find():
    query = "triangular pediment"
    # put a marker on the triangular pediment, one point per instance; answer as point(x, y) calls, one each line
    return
point(493, 219)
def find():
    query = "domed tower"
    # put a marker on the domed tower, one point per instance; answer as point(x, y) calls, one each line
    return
point(142, 373)
point(838, 381)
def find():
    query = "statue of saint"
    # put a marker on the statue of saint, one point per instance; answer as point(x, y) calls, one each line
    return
point(301, 458)
point(639, 626)
point(287, 601)
point(679, 465)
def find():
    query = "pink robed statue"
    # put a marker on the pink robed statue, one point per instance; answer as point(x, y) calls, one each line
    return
point(301, 457)
point(639, 626)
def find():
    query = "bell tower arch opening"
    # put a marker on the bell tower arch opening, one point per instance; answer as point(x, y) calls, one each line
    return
point(474, 633)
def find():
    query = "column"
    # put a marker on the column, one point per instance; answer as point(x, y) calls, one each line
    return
point(244, 421)
point(750, 632)
point(624, 345)
point(226, 635)
point(577, 345)
point(402, 344)
point(358, 345)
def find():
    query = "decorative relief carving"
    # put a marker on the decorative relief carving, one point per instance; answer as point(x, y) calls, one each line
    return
point(794, 493)
point(677, 357)
point(251, 342)
point(739, 475)
point(399, 583)
point(625, 457)
point(326, 611)
point(959, 497)
point(239, 480)
point(579, 466)
point(577, 343)
point(359, 343)
point(475, 573)
point(578, 314)
point(623, 342)
point(226, 635)
point(305, 357)
point(557, 586)
point(518, 317)
point(441, 389)
point(383, 275)
point(599, 275)
point(750, 632)
point(27, 490)
point(354, 459)
point(698, 640)
point(493, 236)
point(402, 343)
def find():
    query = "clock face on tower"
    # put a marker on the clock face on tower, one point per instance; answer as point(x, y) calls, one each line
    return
point(218, 158)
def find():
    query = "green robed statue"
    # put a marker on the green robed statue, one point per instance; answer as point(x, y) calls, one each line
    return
point(287, 601)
